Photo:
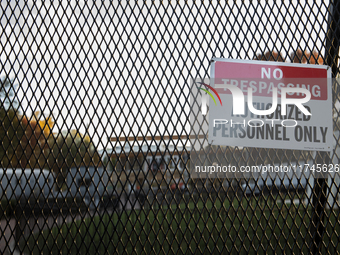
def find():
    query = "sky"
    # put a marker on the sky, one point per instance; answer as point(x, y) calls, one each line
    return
point(123, 69)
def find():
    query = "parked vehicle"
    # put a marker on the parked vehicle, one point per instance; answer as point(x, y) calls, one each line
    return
point(25, 183)
point(90, 183)
point(295, 180)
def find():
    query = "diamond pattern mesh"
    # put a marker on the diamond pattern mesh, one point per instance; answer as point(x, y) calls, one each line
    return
point(95, 109)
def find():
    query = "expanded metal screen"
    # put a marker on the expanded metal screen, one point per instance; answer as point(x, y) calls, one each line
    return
point(95, 129)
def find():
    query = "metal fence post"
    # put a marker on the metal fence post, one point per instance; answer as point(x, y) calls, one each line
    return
point(333, 37)
point(319, 203)
point(320, 184)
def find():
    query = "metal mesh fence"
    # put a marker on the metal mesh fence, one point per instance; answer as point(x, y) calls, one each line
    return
point(95, 130)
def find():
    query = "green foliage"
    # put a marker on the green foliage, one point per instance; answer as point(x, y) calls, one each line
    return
point(11, 130)
point(28, 142)
point(69, 149)
point(74, 149)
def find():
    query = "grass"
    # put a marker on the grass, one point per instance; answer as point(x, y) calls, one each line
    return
point(247, 226)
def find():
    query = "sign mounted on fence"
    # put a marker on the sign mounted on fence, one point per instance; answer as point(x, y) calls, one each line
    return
point(269, 105)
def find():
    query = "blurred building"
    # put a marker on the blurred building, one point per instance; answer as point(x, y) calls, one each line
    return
point(149, 162)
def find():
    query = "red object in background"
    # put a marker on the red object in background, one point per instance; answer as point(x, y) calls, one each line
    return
point(179, 186)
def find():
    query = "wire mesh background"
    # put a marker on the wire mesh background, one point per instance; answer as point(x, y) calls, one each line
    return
point(96, 94)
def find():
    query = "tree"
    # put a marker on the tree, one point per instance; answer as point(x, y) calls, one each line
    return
point(28, 142)
point(71, 149)
point(304, 57)
point(11, 130)
point(11, 133)
point(36, 140)
point(270, 56)
point(7, 94)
